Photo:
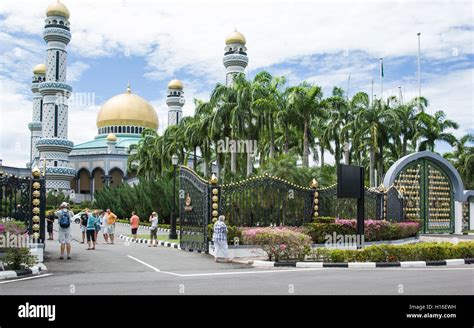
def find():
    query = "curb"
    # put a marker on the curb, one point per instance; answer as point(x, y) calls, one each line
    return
point(145, 227)
point(405, 264)
point(147, 241)
point(34, 270)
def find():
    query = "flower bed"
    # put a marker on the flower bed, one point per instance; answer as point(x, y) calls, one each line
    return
point(374, 229)
point(396, 253)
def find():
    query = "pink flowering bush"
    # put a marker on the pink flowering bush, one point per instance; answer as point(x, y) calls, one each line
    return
point(374, 229)
point(280, 243)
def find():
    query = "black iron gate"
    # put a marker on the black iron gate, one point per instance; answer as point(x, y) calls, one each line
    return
point(24, 199)
point(266, 200)
point(194, 208)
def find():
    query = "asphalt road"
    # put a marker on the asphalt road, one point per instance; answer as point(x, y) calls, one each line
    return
point(128, 268)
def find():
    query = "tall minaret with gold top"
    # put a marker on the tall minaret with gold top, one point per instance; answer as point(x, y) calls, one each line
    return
point(54, 146)
point(235, 56)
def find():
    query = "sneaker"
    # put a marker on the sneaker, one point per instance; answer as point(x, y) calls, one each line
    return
point(61, 258)
point(68, 257)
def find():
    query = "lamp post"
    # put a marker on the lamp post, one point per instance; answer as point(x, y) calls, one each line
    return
point(173, 234)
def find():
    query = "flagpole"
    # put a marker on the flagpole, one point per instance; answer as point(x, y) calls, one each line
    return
point(372, 100)
point(419, 72)
point(381, 78)
point(347, 91)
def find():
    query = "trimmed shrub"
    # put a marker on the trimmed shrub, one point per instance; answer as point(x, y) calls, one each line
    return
point(280, 243)
point(397, 253)
point(19, 258)
point(324, 219)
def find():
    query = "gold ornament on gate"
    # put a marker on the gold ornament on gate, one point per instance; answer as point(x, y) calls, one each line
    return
point(313, 184)
point(36, 219)
point(215, 191)
point(214, 213)
point(36, 193)
point(36, 185)
point(215, 199)
point(36, 173)
point(36, 210)
point(213, 179)
point(36, 202)
point(36, 227)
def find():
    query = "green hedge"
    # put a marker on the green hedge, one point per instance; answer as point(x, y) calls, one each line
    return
point(396, 253)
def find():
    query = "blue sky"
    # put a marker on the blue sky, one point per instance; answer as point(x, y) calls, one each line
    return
point(148, 43)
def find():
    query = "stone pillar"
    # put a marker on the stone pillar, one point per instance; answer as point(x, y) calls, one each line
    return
point(457, 217)
point(471, 214)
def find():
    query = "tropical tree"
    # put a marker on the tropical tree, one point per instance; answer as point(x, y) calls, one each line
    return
point(432, 128)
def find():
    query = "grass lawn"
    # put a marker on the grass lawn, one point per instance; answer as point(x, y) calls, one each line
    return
point(159, 237)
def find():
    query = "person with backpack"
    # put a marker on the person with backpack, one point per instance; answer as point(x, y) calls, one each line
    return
point(65, 216)
point(92, 229)
point(83, 224)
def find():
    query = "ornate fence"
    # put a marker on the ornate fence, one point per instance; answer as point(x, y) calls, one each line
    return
point(267, 200)
point(24, 199)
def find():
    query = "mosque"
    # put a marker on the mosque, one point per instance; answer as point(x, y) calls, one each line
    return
point(87, 167)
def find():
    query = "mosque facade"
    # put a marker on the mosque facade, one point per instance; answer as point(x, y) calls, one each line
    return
point(85, 168)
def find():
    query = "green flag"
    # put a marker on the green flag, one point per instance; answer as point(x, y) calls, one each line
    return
point(381, 67)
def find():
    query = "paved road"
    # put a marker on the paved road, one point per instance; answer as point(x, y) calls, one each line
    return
point(136, 269)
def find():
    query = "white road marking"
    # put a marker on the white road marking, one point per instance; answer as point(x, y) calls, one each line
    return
point(27, 278)
point(145, 264)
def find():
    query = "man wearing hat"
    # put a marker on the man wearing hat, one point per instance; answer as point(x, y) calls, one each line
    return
point(65, 217)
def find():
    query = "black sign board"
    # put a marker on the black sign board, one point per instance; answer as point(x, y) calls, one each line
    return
point(350, 184)
point(350, 181)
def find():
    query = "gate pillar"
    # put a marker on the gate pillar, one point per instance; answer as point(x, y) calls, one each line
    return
point(457, 218)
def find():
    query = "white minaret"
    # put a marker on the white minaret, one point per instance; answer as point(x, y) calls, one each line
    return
point(235, 56)
point(54, 147)
point(35, 126)
point(175, 102)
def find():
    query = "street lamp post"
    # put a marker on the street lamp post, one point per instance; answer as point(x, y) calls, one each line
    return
point(173, 234)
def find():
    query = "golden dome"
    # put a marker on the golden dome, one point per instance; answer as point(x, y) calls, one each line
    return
point(39, 69)
point(235, 37)
point(57, 9)
point(127, 109)
point(111, 137)
point(175, 84)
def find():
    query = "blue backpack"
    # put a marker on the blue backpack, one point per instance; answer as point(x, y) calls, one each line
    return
point(64, 221)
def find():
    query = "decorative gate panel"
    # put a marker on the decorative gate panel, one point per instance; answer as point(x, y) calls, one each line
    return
point(428, 195)
point(332, 206)
point(193, 211)
point(264, 201)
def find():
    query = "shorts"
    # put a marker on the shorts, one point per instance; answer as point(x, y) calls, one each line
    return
point(83, 228)
point(50, 228)
point(90, 235)
point(153, 233)
point(64, 235)
point(103, 229)
point(134, 231)
point(111, 229)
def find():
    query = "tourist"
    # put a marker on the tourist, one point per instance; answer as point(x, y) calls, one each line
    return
point(97, 223)
point(103, 226)
point(219, 238)
point(83, 224)
point(65, 217)
point(134, 221)
point(92, 229)
point(153, 229)
point(50, 221)
point(111, 219)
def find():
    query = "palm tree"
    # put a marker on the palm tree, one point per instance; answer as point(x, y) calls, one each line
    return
point(462, 158)
point(432, 128)
point(373, 121)
point(306, 102)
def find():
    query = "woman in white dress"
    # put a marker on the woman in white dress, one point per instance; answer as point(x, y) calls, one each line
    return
point(219, 237)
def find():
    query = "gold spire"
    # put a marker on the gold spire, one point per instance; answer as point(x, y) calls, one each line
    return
point(236, 37)
point(57, 9)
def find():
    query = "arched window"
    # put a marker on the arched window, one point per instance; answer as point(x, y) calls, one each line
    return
point(128, 129)
point(120, 129)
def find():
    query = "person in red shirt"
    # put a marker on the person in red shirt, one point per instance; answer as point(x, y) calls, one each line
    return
point(134, 221)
